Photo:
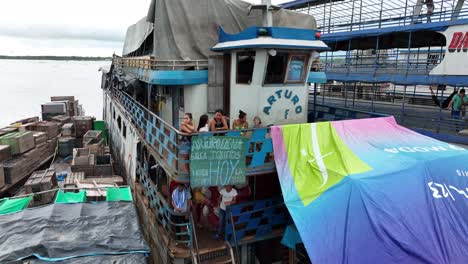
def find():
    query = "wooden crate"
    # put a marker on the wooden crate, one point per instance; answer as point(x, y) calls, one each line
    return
point(41, 181)
point(33, 119)
point(68, 130)
point(19, 167)
point(61, 119)
point(92, 134)
point(5, 152)
point(50, 128)
point(82, 124)
point(81, 156)
point(87, 169)
point(52, 145)
point(40, 138)
point(19, 142)
point(2, 177)
point(95, 146)
point(27, 127)
point(103, 166)
point(8, 130)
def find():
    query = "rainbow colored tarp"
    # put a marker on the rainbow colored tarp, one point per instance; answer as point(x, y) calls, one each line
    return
point(371, 191)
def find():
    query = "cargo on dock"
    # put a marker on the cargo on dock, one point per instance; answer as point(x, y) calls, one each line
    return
point(66, 146)
point(2, 177)
point(95, 146)
point(103, 165)
point(5, 152)
point(68, 130)
point(82, 125)
point(41, 181)
point(19, 142)
point(88, 168)
point(61, 119)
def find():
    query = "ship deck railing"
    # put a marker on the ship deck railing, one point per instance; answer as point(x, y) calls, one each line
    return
point(349, 15)
point(152, 63)
point(412, 106)
point(392, 61)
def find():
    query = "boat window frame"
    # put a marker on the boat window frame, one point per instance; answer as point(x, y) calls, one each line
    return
point(244, 53)
point(304, 69)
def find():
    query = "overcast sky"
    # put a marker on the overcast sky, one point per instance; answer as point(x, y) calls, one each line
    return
point(69, 27)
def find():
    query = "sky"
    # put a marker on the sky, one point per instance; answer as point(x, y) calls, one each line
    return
point(69, 27)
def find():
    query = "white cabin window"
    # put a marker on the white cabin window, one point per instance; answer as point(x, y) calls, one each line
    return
point(245, 67)
point(286, 68)
point(276, 68)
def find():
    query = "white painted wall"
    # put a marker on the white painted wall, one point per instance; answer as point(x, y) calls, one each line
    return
point(166, 110)
point(127, 145)
point(274, 104)
point(196, 100)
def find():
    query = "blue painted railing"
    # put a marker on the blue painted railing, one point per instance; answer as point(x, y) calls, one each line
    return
point(180, 232)
point(255, 219)
point(332, 113)
point(166, 140)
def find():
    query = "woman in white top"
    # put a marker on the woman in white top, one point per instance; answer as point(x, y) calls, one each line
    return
point(203, 125)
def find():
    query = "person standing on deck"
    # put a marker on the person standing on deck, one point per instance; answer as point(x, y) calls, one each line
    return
point(430, 9)
point(227, 197)
point(182, 203)
point(241, 123)
point(458, 104)
point(218, 122)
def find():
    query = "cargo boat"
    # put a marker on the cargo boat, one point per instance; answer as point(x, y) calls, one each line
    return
point(43, 216)
point(229, 55)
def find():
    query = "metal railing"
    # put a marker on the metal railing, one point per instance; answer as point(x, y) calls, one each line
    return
point(149, 62)
point(349, 15)
point(398, 61)
point(412, 106)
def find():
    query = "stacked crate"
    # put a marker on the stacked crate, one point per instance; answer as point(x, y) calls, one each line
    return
point(50, 128)
point(5, 152)
point(49, 110)
point(72, 104)
point(61, 120)
point(68, 130)
point(82, 125)
point(103, 166)
point(41, 181)
point(19, 142)
point(66, 146)
point(2, 177)
point(83, 161)
point(92, 140)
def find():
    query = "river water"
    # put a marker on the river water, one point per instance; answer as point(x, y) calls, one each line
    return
point(26, 84)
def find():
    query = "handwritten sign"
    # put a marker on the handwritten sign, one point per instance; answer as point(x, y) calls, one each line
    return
point(216, 161)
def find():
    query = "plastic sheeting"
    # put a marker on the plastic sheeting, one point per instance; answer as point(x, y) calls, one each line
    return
point(371, 191)
point(136, 35)
point(65, 231)
point(119, 194)
point(189, 29)
point(70, 197)
point(9, 206)
point(113, 259)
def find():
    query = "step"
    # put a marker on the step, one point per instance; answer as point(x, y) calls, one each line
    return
point(218, 260)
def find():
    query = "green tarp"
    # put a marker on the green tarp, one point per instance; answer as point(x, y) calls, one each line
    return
point(9, 206)
point(101, 126)
point(70, 197)
point(115, 194)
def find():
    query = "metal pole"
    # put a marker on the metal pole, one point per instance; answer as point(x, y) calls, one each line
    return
point(315, 102)
point(234, 235)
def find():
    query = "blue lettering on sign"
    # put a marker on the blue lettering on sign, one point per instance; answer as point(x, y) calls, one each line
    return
point(280, 94)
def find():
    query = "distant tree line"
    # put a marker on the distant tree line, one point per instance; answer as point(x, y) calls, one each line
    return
point(61, 58)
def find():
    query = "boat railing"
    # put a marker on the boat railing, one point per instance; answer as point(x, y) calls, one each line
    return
point(349, 15)
point(256, 220)
point(412, 106)
point(388, 62)
point(167, 141)
point(151, 63)
point(177, 226)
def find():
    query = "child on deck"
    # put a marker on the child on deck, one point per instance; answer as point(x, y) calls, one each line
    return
point(228, 197)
